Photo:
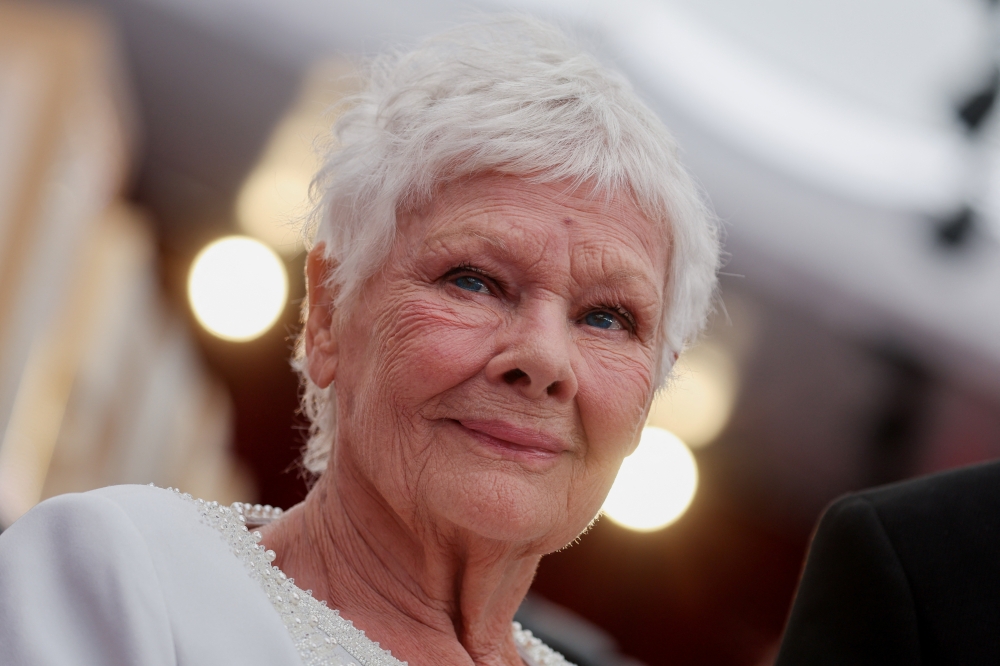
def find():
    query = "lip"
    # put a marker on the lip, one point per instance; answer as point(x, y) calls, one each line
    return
point(521, 442)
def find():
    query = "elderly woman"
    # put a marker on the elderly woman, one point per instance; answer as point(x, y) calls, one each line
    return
point(507, 260)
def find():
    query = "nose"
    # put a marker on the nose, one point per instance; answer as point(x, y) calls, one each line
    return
point(535, 354)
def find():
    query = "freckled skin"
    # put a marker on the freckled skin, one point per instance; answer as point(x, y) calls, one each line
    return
point(502, 301)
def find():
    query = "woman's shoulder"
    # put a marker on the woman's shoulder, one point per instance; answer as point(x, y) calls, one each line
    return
point(137, 562)
point(113, 507)
point(69, 568)
point(105, 526)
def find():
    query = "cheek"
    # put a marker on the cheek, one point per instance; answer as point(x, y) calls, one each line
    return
point(612, 394)
point(613, 390)
point(428, 345)
point(415, 347)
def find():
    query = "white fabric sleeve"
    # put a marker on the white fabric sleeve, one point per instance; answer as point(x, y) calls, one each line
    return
point(78, 586)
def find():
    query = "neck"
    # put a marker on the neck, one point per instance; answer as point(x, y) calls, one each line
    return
point(430, 596)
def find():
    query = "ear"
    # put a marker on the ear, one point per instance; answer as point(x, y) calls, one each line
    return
point(322, 352)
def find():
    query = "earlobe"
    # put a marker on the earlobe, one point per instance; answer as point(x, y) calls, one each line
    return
point(322, 352)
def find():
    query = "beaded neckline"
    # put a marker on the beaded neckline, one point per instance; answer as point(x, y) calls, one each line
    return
point(321, 635)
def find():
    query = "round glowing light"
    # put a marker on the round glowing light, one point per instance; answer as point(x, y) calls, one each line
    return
point(270, 202)
point(655, 484)
point(237, 288)
point(699, 397)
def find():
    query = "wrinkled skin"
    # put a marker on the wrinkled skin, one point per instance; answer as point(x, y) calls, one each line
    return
point(490, 380)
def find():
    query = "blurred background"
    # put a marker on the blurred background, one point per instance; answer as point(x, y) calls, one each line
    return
point(155, 157)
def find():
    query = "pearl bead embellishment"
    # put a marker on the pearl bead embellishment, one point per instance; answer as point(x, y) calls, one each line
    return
point(320, 634)
point(256, 515)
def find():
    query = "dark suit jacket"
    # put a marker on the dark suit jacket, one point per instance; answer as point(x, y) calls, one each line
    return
point(904, 574)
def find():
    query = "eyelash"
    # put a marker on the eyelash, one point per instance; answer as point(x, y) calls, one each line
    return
point(624, 314)
point(470, 268)
point(457, 271)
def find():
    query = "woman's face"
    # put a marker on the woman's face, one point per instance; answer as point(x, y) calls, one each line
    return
point(494, 374)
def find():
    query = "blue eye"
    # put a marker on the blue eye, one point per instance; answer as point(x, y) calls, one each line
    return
point(601, 319)
point(471, 283)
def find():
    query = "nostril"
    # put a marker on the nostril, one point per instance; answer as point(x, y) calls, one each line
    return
point(512, 376)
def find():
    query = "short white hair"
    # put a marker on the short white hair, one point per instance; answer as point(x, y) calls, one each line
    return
point(511, 96)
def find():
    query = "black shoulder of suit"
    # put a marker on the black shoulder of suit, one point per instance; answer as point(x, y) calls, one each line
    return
point(903, 574)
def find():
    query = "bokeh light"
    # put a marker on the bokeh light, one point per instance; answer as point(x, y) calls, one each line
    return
point(274, 200)
point(271, 202)
point(237, 288)
point(699, 398)
point(655, 484)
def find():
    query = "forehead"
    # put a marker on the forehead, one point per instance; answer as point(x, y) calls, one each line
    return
point(548, 223)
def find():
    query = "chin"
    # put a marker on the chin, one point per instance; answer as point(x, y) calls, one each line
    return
point(511, 507)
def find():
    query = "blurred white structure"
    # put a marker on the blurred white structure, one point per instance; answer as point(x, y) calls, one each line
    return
point(99, 384)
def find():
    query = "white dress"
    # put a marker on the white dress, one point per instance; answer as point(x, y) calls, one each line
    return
point(142, 575)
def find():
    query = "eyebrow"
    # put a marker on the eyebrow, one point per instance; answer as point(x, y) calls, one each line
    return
point(498, 244)
point(624, 276)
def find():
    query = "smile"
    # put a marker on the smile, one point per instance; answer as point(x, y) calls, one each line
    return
point(514, 441)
